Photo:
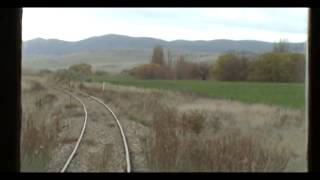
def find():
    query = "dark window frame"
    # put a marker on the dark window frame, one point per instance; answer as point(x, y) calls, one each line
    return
point(313, 90)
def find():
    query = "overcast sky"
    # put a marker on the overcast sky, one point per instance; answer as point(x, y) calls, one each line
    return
point(73, 24)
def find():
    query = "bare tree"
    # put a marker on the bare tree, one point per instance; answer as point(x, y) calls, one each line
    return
point(204, 71)
point(157, 56)
point(169, 57)
point(281, 47)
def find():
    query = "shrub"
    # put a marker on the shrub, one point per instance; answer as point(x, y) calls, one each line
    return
point(36, 86)
point(278, 67)
point(70, 106)
point(81, 86)
point(62, 75)
point(101, 73)
point(49, 98)
point(84, 69)
point(193, 121)
point(230, 67)
point(44, 72)
point(268, 67)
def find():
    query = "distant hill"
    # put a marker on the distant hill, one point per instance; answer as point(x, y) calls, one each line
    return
point(115, 53)
point(55, 47)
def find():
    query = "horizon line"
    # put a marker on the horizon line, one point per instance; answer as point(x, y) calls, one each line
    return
point(112, 34)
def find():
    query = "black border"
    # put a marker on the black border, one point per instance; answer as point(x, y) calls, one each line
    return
point(314, 87)
point(10, 107)
point(164, 3)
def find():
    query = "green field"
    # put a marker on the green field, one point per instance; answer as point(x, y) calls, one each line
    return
point(291, 95)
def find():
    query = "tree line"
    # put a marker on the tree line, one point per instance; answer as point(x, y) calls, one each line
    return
point(160, 68)
point(268, 67)
point(280, 65)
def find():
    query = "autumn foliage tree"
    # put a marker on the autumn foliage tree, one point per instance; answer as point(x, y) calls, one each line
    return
point(62, 75)
point(268, 67)
point(278, 67)
point(230, 67)
point(78, 72)
point(178, 69)
point(157, 69)
point(152, 71)
point(186, 70)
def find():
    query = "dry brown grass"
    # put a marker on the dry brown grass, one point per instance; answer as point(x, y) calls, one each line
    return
point(230, 151)
point(162, 145)
point(190, 133)
point(185, 132)
point(36, 86)
point(193, 121)
point(42, 115)
point(37, 139)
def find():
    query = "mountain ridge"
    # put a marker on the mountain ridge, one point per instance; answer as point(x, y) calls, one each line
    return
point(41, 46)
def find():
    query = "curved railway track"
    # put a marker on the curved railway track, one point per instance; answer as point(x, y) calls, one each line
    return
point(124, 139)
point(81, 134)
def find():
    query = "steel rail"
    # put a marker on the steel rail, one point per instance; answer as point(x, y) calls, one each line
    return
point(124, 140)
point(81, 134)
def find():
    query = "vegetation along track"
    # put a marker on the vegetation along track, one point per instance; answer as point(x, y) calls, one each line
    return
point(124, 140)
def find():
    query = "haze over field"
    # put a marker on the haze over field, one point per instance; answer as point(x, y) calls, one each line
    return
point(118, 52)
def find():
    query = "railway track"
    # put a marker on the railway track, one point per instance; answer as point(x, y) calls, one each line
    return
point(81, 134)
point(99, 101)
point(124, 139)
